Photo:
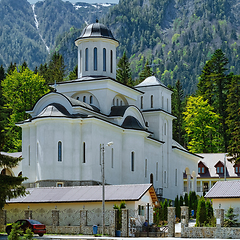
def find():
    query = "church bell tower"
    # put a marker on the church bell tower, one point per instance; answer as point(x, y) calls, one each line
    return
point(96, 52)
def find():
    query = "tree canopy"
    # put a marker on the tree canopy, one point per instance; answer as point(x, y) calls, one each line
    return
point(21, 90)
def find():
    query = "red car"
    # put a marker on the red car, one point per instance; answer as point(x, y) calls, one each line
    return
point(35, 226)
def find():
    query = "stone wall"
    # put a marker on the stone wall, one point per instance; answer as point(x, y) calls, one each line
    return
point(211, 232)
point(84, 220)
point(207, 232)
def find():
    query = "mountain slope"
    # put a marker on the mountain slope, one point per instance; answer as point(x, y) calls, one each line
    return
point(28, 32)
point(179, 35)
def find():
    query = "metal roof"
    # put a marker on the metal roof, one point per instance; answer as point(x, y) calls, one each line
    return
point(224, 189)
point(210, 160)
point(150, 81)
point(131, 192)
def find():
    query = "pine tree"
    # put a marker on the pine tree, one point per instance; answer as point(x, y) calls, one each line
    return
point(11, 68)
point(56, 68)
point(177, 110)
point(123, 74)
point(177, 206)
point(233, 119)
point(73, 74)
point(230, 220)
point(213, 86)
point(209, 210)
point(2, 74)
point(201, 215)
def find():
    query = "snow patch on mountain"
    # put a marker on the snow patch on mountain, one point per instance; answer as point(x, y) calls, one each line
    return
point(37, 26)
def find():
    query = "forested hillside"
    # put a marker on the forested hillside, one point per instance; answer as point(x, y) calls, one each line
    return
point(180, 35)
point(28, 32)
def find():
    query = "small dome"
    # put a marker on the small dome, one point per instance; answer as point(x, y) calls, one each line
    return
point(96, 30)
point(150, 81)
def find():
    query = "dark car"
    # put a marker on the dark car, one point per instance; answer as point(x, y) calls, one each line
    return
point(35, 226)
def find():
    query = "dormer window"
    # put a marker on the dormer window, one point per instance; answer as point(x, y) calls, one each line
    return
point(202, 168)
point(237, 168)
point(219, 167)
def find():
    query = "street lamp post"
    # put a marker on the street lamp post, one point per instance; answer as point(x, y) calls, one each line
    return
point(103, 187)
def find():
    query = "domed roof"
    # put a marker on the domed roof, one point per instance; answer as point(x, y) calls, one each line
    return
point(96, 30)
point(150, 81)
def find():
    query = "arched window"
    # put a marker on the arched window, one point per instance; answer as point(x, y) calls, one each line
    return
point(60, 151)
point(167, 104)
point(80, 61)
point(132, 161)
point(95, 59)
point(111, 61)
point(162, 102)
point(176, 179)
point(77, 98)
point(84, 98)
point(114, 102)
point(141, 102)
point(104, 59)
point(91, 99)
point(84, 152)
point(151, 101)
point(121, 103)
point(145, 168)
point(112, 159)
point(156, 171)
point(86, 59)
point(29, 155)
point(151, 178)
point(3, 172)
point(117, 102)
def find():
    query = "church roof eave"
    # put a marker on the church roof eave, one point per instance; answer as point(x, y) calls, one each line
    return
point(159, 110)
point(186, 152)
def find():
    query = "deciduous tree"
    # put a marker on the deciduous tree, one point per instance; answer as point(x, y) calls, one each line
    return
point(201, 125)
point(21, 91)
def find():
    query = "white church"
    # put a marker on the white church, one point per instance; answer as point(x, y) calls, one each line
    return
point(95, 118)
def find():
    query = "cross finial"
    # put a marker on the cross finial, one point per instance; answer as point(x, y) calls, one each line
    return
point(55, 86)
point(153, 65)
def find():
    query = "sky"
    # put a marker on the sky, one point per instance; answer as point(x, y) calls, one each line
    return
point(87, 1)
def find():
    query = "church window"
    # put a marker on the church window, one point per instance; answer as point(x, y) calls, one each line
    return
point(77, 98)
point(114, 102)
point(60, 151)
point(176, 177)
point(165, 177)
point(80, 61)
point(151, 101)
point(95, 59)
point(3, 172)
point(165, 129)
point(100, 154)
point(145, 168)
point(112, 158)
point(167, 104)
point(104, 60)
point(91, 99)
point(151, 178)
point(141, 102)
point(132, 161)
point(84, 98)
point(162, 102)
point(111, 61)
point(156, 171)
point(29, 155)
point(117, 102)
point(86, 59)
point(84, 152)
point(121, 103)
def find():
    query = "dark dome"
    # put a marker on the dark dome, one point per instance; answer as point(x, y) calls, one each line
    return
point(96, 30)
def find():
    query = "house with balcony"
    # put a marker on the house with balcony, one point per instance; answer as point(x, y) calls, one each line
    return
point(213, 167)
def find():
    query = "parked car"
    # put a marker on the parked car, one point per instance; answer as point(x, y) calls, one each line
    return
point(35, 226)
